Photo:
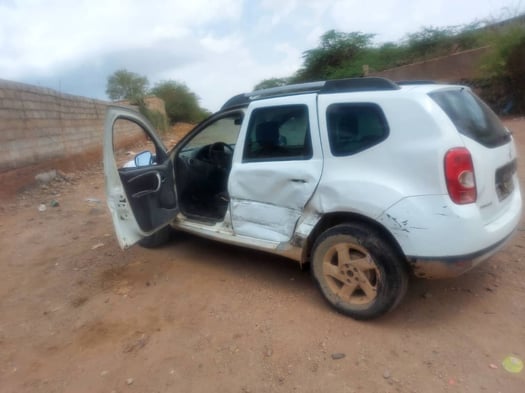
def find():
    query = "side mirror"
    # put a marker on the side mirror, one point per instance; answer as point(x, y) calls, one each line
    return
point(144, 158)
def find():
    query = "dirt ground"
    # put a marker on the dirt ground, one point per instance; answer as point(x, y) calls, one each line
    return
point(80, 315)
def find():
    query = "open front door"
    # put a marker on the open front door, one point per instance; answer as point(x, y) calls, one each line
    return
point(140, 188)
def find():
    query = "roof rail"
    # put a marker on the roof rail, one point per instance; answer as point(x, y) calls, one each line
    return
point(236, 101)
point(358, 84)
point(330, 86)
point(416, 82)
point(288, 89)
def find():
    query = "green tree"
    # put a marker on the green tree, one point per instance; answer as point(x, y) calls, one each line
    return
point(126, 85)
point(181, 103)
point(504, 43)
point(344, 55)
point(335, 57)
point(271, 82)
point(504, 65)
point(431, 41)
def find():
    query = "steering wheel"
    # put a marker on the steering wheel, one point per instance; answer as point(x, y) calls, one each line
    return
point(220, 153)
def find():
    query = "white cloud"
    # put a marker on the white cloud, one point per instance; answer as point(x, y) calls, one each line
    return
point(392, 19)
point(314, 35)
point(290, 61)
point(41, 34)
point(220, 44)
point(218, 48)
point(232, 70)
point(279, 10)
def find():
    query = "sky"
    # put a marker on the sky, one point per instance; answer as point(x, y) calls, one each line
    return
point(218, 48)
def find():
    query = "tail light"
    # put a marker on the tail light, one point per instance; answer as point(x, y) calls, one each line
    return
point(459, 174)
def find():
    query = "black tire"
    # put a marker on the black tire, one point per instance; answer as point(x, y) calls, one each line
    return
point(158, 239)
point(367, 282)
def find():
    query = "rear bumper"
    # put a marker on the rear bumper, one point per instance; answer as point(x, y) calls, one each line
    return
point(448, 267)
point(441, 239)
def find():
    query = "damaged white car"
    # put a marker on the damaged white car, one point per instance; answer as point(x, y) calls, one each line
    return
point(365, 179)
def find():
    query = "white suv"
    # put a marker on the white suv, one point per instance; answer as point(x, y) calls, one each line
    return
point(364, 178)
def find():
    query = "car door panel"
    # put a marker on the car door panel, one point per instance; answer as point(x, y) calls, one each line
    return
point(150, 191)
point(268, 199)
point(141, 200)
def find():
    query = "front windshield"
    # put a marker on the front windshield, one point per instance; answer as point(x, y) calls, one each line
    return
point(225, 129)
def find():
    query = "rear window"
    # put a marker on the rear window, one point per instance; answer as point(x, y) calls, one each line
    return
point(472, 117)
point(355, 127)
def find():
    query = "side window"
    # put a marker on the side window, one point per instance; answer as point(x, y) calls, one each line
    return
point(130, 139)
point(278, 133)
point(355, 127)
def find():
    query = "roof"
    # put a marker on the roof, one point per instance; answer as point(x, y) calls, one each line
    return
point(321, 87)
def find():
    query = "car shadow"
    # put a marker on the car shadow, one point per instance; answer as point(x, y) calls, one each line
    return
point(426, 302)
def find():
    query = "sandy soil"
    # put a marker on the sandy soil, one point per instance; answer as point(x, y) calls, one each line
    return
point(80, 315)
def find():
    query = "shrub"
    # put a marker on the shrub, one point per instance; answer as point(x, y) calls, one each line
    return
point(505, 63)
point(156, 118)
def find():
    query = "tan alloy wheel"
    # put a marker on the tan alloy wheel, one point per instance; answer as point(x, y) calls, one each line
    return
point(351, 273)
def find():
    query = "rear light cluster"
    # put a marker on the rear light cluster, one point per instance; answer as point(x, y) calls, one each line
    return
point(459, 175)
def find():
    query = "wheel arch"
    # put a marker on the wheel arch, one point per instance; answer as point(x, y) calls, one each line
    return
point(330, 220)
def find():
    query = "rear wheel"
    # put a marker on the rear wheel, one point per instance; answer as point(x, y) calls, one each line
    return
point(358, 272)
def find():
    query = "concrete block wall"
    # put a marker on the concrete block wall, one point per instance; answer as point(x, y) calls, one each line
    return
point(39, 124)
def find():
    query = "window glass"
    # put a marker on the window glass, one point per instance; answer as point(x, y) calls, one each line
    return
point(224, 130)
point(472, 117)
point(129, 139)
point(355, 127)
point(278, 133)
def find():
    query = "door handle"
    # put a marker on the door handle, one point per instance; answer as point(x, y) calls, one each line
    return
point(298, 181)
point(147, 183)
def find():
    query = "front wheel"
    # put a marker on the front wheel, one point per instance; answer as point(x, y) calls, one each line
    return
point(158, 239)
point(358, 271)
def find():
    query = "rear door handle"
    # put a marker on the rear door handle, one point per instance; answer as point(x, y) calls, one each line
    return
point(298, 180)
